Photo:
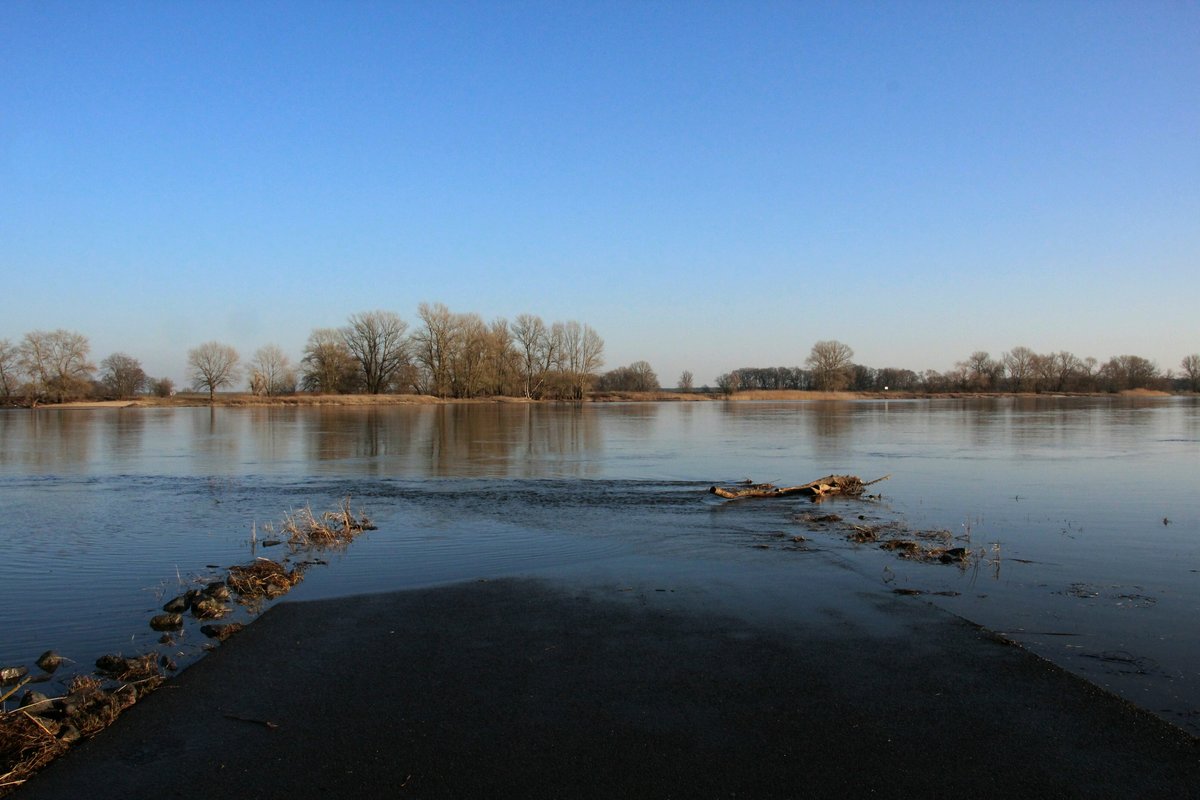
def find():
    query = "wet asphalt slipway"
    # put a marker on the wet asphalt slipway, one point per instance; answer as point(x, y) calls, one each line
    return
point(625, 686)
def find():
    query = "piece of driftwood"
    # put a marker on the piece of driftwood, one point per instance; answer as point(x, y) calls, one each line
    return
point(850, 485)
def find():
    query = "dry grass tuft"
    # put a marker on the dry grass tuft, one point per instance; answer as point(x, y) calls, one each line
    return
point(83, 683)
point(332, 529)
point(130, 670)
point(27, 744)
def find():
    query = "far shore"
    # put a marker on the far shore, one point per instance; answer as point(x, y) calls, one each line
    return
point(234, 399)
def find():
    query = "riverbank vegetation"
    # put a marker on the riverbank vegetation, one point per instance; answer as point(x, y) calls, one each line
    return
point(458, 356)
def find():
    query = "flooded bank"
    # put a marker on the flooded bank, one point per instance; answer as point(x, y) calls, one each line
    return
point(1083, 508)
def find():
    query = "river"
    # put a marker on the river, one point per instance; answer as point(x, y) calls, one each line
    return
point(1081, 512)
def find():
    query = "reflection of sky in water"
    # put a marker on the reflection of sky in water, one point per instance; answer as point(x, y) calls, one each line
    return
point(104, 508)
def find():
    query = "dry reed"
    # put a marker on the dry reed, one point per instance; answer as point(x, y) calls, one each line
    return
point(332, 529)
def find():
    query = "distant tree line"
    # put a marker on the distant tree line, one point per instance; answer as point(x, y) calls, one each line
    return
point(447, 354)
point(829, 367)
point(459, 355)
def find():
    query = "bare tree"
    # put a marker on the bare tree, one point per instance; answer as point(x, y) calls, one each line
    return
point(537, 351)
point(729, 382)
point(213, 365)
point(329, 366)
point(1020, 362)
point(122, 375)
point(1059, 368)
point(434, 345)
point(271, 371)
point(468, 355)
point(645, 379)
point(686, 384)
point(9, 372)
point(162, 387)
point(830, 362)
point(1128, 372)
point(583, 352)
point(1191, 370)
point(56, 363)
point(376, 340)
point(981, 372)
point(637, 377)
point(502, 367)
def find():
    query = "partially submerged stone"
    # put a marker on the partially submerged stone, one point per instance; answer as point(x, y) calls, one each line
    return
point(177, 605)
point(221, 632)
point(13, 674)
point(166, 622)
point(49, 661)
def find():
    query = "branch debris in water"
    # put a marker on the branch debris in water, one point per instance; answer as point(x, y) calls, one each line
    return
point(849, 485)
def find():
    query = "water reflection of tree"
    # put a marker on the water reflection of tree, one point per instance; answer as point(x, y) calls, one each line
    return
point(526, 440)
point(273, 429)
point(453, 440)
point(45, 438)
point(829, 424)
point(125, 433)
point(370, 434)
point(214, 431)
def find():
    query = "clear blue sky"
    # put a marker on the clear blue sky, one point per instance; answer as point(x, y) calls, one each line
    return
point(709, 185)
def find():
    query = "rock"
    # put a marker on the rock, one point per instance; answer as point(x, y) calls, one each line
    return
point(166, 638)
point(177, 605)
point(193, 596)
point(272, 542)
point(13, 674)
point(49, 661)
point(217, 590)
point(166, 622)
point(208, 608)
point(36, 702)
point(221, 632)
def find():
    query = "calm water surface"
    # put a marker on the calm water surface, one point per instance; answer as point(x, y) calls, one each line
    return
point(1086, 509)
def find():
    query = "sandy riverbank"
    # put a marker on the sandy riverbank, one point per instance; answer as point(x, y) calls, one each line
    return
point(646, 687)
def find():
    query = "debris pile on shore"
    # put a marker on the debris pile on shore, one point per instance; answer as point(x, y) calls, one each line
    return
point(41, 728)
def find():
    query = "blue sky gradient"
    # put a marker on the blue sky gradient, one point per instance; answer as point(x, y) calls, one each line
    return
point(709, 185)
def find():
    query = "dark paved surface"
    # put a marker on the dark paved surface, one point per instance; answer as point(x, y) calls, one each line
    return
point(523, 688)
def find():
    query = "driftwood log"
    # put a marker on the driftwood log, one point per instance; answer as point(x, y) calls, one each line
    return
point(850, 485)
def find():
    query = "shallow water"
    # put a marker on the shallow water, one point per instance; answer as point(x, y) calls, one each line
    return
point(108, 512)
